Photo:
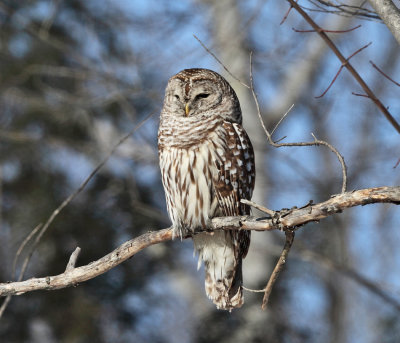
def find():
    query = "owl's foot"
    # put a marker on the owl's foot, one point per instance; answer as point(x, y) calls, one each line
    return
point(182, 231)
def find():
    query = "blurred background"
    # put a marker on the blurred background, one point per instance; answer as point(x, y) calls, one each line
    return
point(75, 76)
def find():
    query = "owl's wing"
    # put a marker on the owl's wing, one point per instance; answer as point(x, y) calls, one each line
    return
point(236, 176)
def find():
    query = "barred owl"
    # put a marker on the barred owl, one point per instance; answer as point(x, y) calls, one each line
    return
point(207, 166)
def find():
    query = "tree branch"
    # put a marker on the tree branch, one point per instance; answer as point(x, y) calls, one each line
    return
point(347, 10)
point(390, 15)
point(347, 64)
point(74, 276)
point(72, 260)
point(281, 221)
point(278, 268)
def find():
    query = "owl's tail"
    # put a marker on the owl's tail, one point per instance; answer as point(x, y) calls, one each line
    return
point(223, 269)
point(226, 294)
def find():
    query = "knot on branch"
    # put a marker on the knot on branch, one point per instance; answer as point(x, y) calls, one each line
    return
point(331, 209)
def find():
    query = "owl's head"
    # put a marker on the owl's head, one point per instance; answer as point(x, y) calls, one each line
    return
point(201, 93)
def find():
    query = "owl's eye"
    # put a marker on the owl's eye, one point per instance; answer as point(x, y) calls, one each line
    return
point(176, 96)
point(202, 96)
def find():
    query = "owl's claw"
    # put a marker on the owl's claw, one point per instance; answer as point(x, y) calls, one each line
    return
point(184, 231)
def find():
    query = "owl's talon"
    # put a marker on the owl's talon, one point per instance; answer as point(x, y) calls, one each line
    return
point(184, 232)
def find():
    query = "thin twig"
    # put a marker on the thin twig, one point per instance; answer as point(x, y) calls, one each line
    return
point(347, 10)
point(349, 67)
point(216, 58)
point(307, 255)
point(258, 207)
point(341, 67)
point(281, 120)
point(362, 95)
point(384, 74)
point(14, 266)
point(253, 290)
point(278, 268)
point(269, 136)
point(55, 213)
point(280, 139)
point(79, 190)
point(329, 31)
point(21, 247)
point(5, 304)
point(356, 52)
point(330, 85)
point(286, 15)
point(316, 141)
point(253, 92)
point(340, 158)
point(73, 259)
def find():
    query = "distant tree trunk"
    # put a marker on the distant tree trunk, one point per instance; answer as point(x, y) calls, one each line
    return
point(229, 37)
point(229, 44)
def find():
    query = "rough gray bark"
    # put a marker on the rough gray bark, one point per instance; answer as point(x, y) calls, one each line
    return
point(390, 15)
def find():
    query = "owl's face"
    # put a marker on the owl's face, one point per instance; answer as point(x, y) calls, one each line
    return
point(200, 93)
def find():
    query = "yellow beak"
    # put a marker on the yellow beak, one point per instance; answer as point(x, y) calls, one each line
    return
point(187, 109)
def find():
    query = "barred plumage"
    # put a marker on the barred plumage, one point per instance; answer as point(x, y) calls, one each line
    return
point(207, 166)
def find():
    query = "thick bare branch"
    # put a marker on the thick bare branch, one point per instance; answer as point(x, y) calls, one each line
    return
point(87, 272)
point(285, 221)
point(390, 15)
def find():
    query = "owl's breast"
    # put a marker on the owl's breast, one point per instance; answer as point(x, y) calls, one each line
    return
point(187, 132)
point(187, 176)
